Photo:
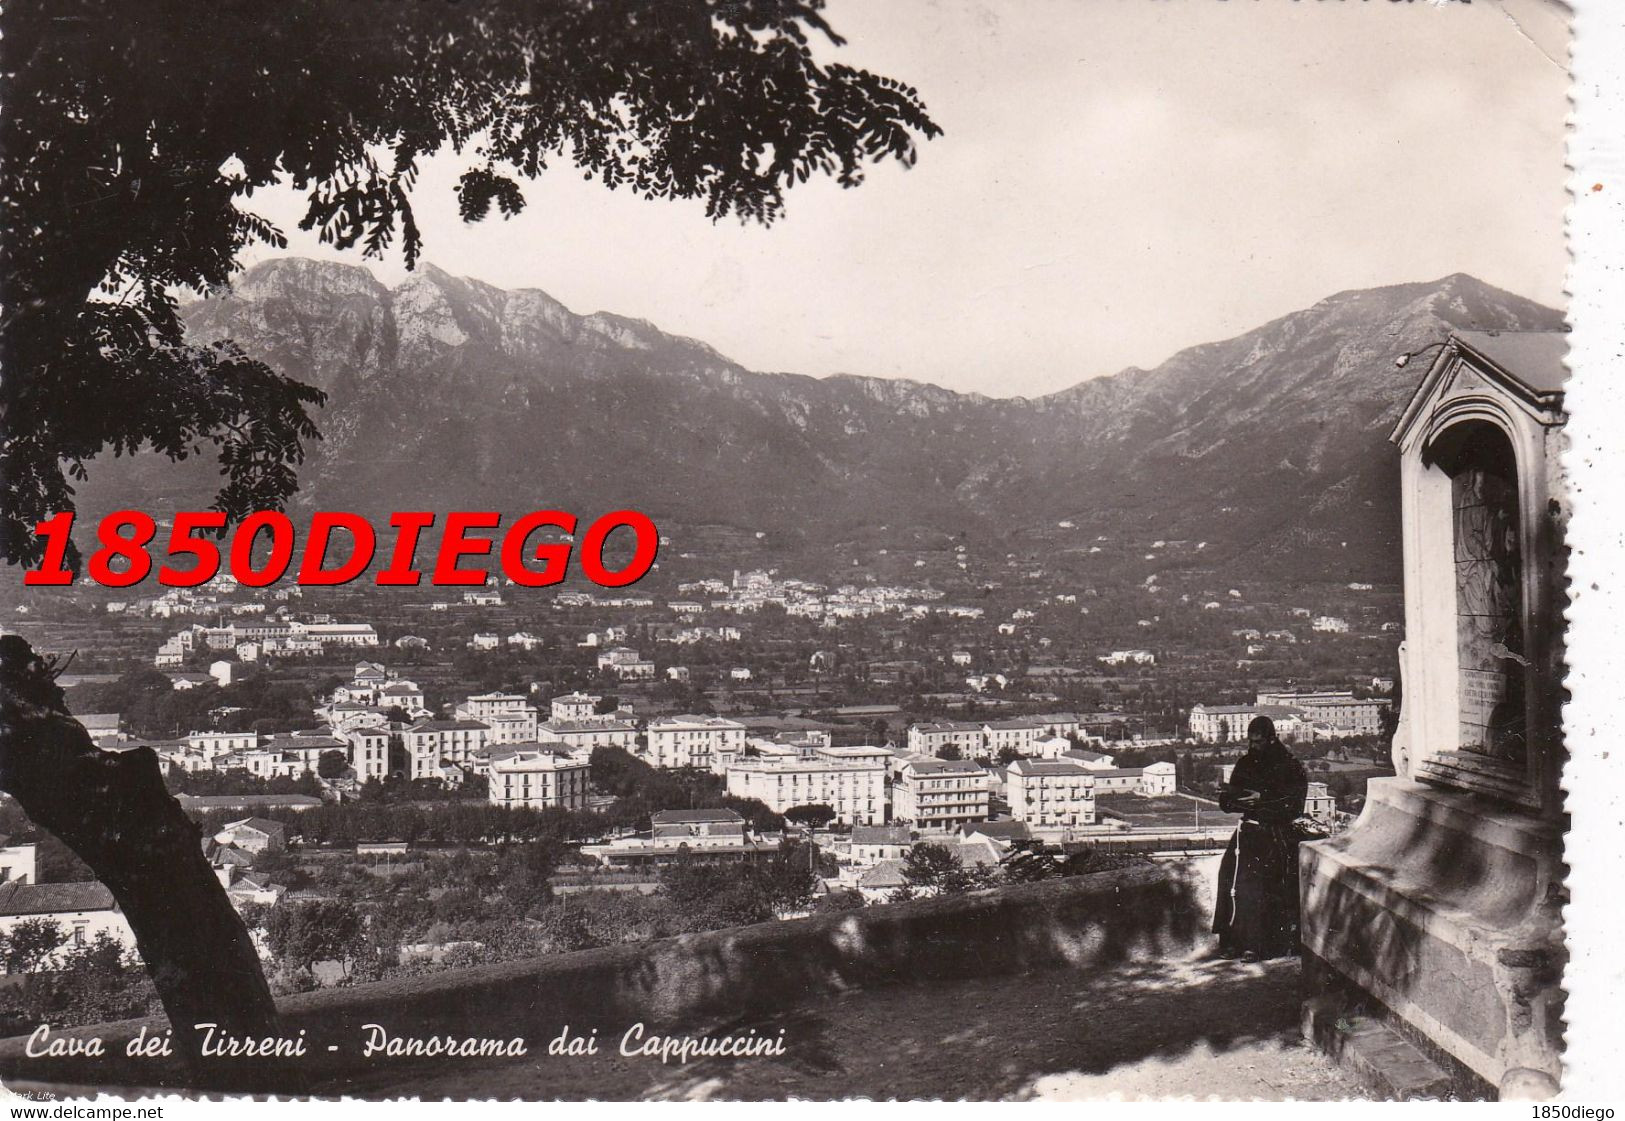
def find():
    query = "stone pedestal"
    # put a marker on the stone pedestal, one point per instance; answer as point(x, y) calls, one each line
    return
point(1447, 912)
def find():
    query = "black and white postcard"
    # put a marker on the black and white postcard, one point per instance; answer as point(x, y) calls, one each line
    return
point(784, 549)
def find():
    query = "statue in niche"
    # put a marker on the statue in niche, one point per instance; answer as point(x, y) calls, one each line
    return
point(1489, 574)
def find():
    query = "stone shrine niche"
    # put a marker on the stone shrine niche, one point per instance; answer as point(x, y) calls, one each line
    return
point(1439, 914)
point(1483, 646)
point(1489, 595)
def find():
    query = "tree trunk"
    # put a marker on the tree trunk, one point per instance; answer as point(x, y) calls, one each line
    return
point(113, 810)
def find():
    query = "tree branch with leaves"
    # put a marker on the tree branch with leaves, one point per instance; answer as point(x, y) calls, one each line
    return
point(133, 139)
point(135, 134)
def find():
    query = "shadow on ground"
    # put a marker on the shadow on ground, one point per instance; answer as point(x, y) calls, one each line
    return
point(1193, 1027)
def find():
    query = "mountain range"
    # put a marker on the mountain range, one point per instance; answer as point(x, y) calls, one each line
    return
point(448, 393)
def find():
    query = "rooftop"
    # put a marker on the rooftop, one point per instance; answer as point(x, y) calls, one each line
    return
point(597, 724)
point(1533, 357)
point(1005, 830)
point(879, 835)
point(689, 720)
point(1055, 768)
point(944, 767)
point(258, 824)
point(684, 817)
point(545, 759)
point(46, 899)
point(244, 801)
point(1238, 710)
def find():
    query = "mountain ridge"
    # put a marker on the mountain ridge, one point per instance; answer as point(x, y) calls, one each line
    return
point(447, 392)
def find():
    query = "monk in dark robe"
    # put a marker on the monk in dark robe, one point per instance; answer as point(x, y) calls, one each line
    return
point(1256, 913)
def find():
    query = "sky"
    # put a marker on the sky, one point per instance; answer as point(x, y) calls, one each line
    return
point(1117, 180)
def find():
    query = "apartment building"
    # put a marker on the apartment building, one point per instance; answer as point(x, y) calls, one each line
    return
point(930, 738)
point(1018, 735)
point(691, 741)
point(369, 752)
point(537, 778)
point(853, 786)
point(482, 706)
point(1051, 793)
point(590, 732)
point(431, 741)
point(940, 794)
point(574, 706)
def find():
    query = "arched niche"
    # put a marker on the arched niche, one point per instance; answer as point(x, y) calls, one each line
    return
point(1481, 659)
point(1487, 559)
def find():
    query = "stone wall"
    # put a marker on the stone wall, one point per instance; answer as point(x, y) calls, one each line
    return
point(1085, 922)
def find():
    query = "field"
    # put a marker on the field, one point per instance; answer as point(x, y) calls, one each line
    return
point(1168, 811)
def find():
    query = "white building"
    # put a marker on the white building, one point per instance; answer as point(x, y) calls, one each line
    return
point(675, 834)
point(1060, 723)
point(82, 911)
point(212, 745)
point(1319, 804)
point(1228, 723)
point(931, 738)
point(337, 634)
point(369, 752)
point(400, 693)
point(537, 779)
point(1340, 709)
point(1017, 735)
point(940, 794)
point(432, 741)
point(1050, 747)
point(691, 741)
point(854, 787)
point(868, 845)
point(288, 754)
point(483, 706)
point(625, 664)
point(1051, 794)
point(574, 706)
point(590, 732)
point(513, 727)
point(1157, 779)
point(18, 863)
point(1148, 781)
